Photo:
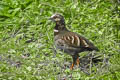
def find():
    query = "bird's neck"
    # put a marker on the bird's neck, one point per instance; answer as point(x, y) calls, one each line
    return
point(60, 26)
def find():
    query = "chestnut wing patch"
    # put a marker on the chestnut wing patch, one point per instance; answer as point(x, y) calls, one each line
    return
point(76, 41)
point(71, 40)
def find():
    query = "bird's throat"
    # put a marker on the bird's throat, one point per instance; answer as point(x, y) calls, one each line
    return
point(58, 28)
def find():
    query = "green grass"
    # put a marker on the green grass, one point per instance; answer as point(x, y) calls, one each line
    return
point(26, 38)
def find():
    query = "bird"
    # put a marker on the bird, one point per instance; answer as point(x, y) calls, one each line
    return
point(70, 42)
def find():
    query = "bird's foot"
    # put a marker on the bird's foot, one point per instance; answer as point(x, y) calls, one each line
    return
point(71, 68)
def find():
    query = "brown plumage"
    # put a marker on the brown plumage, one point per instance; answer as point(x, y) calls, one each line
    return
point(70, 42)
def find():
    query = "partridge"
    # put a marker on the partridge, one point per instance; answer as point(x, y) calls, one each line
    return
point(70, 42)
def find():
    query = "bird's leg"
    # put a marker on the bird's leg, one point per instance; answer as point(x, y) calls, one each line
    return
point(71, 68)
point(78, 61)
point(75, 60)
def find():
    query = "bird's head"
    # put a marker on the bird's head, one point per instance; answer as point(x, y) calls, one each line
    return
point(57, 18)
point(60, 22)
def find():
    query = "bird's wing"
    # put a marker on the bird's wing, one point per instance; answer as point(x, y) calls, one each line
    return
point(74, 40)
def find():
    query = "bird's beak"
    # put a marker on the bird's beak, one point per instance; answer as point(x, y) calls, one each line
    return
point(51, 19)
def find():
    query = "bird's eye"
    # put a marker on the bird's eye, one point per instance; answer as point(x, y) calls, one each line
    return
point(55, 17)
